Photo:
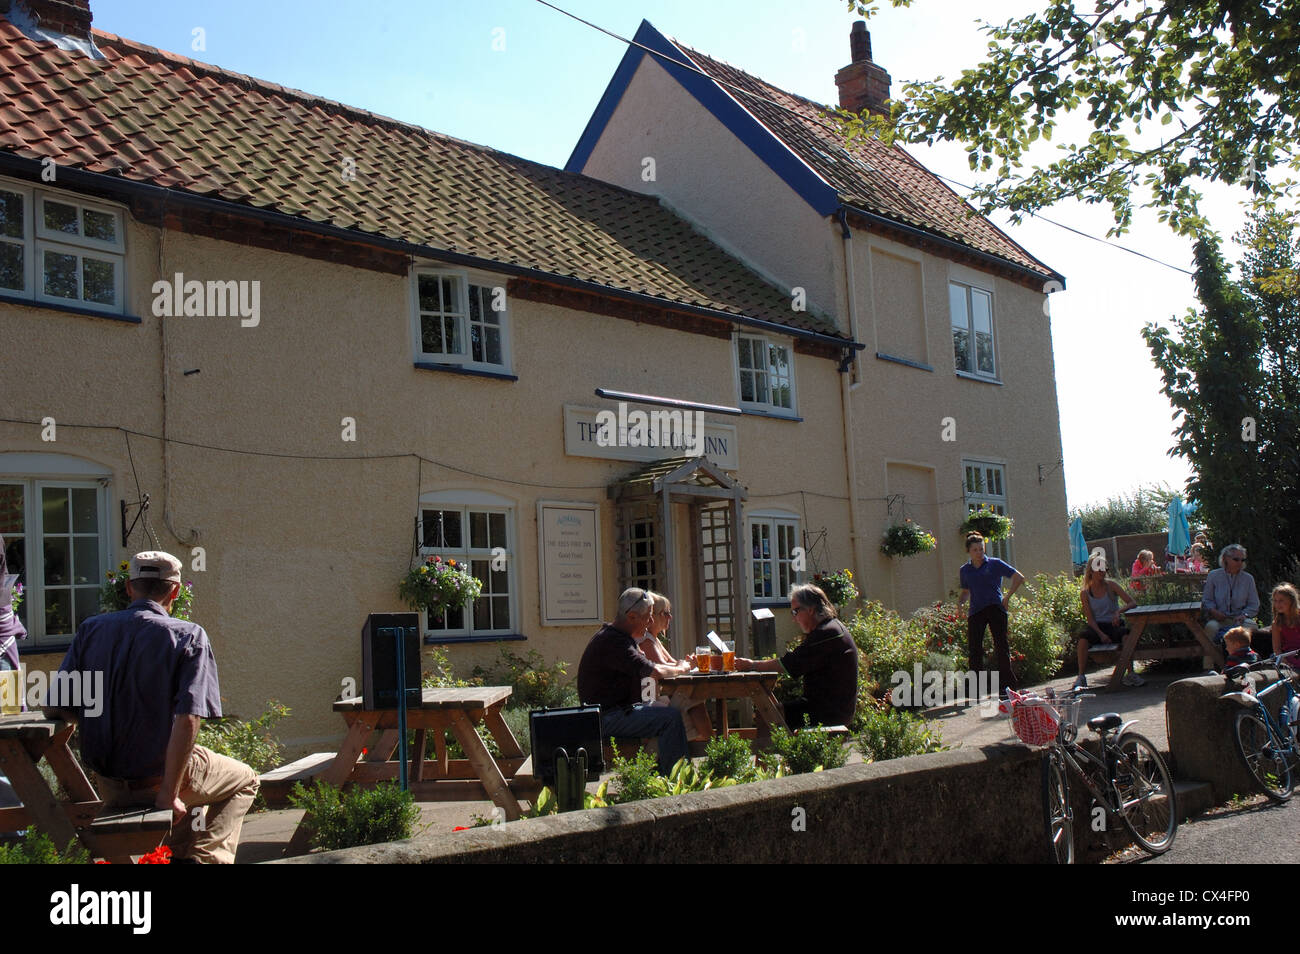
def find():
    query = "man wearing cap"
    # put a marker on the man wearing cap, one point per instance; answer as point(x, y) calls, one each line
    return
point(615, 675)
point(159, 680)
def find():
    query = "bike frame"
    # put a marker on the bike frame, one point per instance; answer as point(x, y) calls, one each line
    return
point(1278, 739)
point(1106, 764)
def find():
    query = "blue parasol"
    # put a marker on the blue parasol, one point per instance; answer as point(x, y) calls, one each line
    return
point(1078, 547)
point(1180, 537)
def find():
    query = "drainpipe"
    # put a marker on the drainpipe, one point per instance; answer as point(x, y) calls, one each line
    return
point(846, 403)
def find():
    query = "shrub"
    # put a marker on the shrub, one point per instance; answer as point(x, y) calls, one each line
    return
point(516, 718)
point(439, 674)
point(638, 778)
point(535, 685)
point(729, 756)
point(944, 631)
point(807, 751)
point(886, 642)
point(1037, 643)
point(37, 848)
point(250, 742)
point(894, 733)
point(361, 815)
point(1059, 596)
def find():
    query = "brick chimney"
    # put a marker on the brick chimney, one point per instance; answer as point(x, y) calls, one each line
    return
point(862, 84)
point(69, 17)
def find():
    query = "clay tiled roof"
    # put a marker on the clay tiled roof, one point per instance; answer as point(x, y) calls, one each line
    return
point(154, 117)
point(866, 174)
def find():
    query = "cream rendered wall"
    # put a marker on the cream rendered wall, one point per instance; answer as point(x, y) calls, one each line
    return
point(713, 179)
point(899, 415)
point(299, 550)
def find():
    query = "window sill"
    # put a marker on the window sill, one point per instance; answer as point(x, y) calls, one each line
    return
point(981, 378)
point(43, 649)
point(68, 309)
point(449, 640)
point(472, 372)
point(754, 412)
point(880, 355)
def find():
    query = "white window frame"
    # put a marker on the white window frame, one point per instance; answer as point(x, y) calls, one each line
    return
point(36, 240)
point(466, 502)
point(969, 290)
point(996, 502)
point(773, 521)
point(464, 285)
point(765, 407)
point(36, 472)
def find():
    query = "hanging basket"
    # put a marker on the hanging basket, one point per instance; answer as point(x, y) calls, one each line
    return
point(987, 523)
point(906, 539)
point(838, 587)
point(438, 586)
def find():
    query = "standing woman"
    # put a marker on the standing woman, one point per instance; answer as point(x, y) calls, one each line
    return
point(981, 583)
point(1100, 596)
point(11, 629)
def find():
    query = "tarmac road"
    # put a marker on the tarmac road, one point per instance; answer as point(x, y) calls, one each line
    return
point(1261, 834)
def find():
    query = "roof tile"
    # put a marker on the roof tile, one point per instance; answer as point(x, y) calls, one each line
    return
point(166, 120)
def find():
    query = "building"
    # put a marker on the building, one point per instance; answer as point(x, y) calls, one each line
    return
point(325, 343)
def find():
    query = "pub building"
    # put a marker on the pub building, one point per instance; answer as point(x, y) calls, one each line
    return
point(325, 344)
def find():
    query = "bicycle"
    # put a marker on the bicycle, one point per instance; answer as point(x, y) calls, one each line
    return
point(1129, 780)
point(1267, 746)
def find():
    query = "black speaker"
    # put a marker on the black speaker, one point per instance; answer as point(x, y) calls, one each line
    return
point(379, 638)
point(571, 729)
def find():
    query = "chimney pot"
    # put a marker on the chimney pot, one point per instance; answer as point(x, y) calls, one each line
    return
point(859, 43)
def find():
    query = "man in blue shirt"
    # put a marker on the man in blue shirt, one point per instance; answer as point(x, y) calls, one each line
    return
point(981, 583)
point(144, 681)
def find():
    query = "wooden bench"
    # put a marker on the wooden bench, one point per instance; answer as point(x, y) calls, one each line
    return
point(277, 783)
point(118, 833)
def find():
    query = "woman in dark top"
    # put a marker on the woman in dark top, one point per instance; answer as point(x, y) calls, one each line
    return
point(11, 630)
point(827, 659)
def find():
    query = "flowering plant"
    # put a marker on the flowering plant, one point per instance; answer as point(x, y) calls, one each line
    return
point(906, 539)
point(113, 597)
point(989, 523)
point(16, 597)
point(438, 586)
point(838, 586)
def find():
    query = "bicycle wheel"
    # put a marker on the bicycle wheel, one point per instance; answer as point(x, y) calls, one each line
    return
point(1056, 809)
point(1271, 770)
point(1148, 807)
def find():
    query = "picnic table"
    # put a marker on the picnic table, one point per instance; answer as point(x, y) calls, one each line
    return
point(689, 689)
point(115, 834)
point(361, 760)
point(1139, 617)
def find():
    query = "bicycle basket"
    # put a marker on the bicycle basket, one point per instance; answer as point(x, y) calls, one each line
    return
point(1037, 720)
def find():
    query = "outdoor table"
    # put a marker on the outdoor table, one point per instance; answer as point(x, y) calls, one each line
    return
point(26, 738)
point(475, 777)
point(689, 689)
point(1188, 614)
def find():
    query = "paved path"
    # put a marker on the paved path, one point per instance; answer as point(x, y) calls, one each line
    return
point(1264, 833)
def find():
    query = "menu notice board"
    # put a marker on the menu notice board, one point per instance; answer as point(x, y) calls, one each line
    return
point(568, 541)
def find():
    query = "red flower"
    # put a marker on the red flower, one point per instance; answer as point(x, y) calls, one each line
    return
point(162, 855)
point(460, 828)
point(103, 862)
point(363, 750)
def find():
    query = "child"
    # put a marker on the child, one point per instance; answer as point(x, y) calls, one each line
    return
point(1237, 642)
point(1286, 618)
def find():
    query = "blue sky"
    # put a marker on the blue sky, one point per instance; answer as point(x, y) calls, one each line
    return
point(523, 78)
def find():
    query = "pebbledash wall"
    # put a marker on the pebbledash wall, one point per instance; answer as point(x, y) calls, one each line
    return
point(900, 413)
point(299, 549)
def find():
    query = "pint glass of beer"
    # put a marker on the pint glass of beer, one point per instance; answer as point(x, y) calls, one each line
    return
point(702, 658)
point(729, 656)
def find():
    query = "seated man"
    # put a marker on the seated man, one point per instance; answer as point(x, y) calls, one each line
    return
point(827, 659)
point(615, 675)
point(1230, 598)
point(147, 680)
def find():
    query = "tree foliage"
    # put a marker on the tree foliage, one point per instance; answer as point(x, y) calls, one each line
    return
point(1175, 92)
point(1229, 370)
point(1143, 511)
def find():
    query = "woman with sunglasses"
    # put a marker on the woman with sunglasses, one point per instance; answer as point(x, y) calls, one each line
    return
point(650, 642)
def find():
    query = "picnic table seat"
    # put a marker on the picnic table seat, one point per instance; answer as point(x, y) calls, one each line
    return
point(118, 833)
point(278, 782)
